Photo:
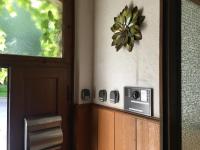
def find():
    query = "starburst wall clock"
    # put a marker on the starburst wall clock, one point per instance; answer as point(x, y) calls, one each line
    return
point(126, 28)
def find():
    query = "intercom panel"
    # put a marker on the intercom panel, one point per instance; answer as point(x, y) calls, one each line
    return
point(138, 100)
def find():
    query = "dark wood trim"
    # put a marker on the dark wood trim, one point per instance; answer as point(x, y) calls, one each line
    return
point(68, 45)
point(171, 75)
point(196, 1)
point(68, 31)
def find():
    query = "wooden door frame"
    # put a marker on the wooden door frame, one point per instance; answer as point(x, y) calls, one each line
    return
point(66, 62)
point(171, 65)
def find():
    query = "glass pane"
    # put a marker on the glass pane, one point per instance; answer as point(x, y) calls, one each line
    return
point(3, 108)
point(190, 75)
point(31, 27)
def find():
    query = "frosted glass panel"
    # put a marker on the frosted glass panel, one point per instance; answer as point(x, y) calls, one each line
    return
point(31, 27)
point(190, 75)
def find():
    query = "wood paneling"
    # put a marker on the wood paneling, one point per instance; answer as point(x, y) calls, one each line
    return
point(137, 115)
point(94, 129)
point(154, 136)
point(125, 132)
point(105, 129)
point(82, 127)
point(108, 129)
point(86, 127)
point(148, 135)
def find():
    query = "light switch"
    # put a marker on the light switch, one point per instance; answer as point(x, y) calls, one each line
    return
point(102, 95)
point(114, 96)
point(85, 94)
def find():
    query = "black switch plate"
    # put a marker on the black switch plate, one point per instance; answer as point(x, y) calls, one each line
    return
point(85, 94)
point(114, 96)
point(102, 95)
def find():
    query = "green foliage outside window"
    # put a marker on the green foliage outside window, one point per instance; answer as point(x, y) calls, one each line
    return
point(2, 41)
point(45, 22)
point(3, 76)
point(3, 82)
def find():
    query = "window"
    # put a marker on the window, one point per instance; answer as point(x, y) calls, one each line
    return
point(3, 108)
point(31, 27)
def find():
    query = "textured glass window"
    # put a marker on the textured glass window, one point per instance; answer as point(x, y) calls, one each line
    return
point(190, 75)
point(31, 27)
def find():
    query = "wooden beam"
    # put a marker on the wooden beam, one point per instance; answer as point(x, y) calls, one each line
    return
point(196, 1)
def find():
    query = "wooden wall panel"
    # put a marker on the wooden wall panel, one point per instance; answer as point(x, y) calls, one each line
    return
point(148, 135)
point(154, 131)
point(105, 129)
point(100, 128)
point(82, 127)
point(142, 135)
point(125, 132)
point(94, 129)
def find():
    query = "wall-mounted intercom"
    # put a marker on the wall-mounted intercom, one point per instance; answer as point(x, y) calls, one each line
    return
point(114, 96)
point(138, 100)
point(102, 95)
point(85, 94)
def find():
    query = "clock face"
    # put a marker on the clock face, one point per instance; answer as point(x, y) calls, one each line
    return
point(196, 1)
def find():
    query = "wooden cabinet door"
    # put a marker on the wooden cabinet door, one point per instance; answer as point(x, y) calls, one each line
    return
point(148, 135)
point(39, 92)
point(125, 132)
point(105, 129)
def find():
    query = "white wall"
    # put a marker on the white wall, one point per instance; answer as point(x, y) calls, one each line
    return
point(114, 70)
point(99, 66)
point(83, 46)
